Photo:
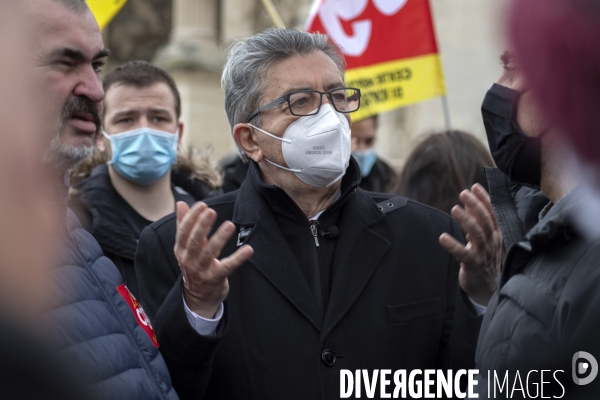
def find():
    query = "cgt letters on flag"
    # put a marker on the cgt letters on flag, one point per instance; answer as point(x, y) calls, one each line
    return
point(390, 49)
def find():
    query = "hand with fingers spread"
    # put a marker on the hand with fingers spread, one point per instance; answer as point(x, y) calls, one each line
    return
point(481, 258)
point(205, 284)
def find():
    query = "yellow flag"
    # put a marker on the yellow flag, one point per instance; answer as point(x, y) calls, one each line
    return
point(105, 10)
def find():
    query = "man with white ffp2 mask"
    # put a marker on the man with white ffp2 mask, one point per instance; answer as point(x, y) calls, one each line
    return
point(316, 147)
point(134, 187)
point(318, 274)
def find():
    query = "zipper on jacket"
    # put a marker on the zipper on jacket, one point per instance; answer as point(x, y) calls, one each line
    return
point(313, 230)
point(316, 267)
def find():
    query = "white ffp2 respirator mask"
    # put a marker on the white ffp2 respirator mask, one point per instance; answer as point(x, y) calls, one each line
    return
point(316, 147)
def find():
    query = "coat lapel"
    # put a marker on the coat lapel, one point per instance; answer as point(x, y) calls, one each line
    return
point(273, 257)
point(275, 260)
point(357, 255)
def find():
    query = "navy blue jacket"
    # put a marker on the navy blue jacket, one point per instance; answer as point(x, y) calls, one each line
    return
point(94, 330)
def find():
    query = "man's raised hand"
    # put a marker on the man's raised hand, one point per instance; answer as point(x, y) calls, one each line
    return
point(481, 259)
point(205, 283)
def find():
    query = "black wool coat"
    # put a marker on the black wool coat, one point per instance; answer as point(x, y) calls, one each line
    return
point(394, 300)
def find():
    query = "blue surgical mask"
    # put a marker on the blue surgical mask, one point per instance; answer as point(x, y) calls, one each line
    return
point(366, 159)
point(143, 155)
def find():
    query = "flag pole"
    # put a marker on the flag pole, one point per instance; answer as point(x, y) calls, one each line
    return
point(445, 105)
point(275, 17)
point(447, 113)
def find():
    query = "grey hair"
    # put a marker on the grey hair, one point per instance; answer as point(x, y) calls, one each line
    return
point(79, 6)
point(243, 79)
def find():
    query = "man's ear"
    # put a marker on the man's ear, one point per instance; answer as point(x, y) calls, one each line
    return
point(180, 125)
point(245, 137)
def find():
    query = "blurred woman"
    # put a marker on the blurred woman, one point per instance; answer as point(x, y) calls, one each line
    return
point(442, 166)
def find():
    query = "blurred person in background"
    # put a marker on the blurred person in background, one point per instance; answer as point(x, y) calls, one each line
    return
point(376, 174)
point(95, 326)
point(563, 36)
point(25, 207)
point(27, 369)
point(557, 44)
point(135, 177)
point(441, 166)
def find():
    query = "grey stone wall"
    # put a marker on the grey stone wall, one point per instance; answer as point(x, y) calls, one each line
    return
point(138, 30)
point(469, 34)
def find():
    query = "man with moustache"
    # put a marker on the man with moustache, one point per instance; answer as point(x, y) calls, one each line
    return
point(96, 327)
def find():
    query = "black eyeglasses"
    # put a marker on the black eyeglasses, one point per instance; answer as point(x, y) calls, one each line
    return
point(308, 102)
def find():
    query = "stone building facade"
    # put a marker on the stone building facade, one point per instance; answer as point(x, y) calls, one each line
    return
point(190, 38)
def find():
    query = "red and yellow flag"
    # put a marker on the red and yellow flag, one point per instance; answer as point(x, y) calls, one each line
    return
point(105, 10)
point(390, 49)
